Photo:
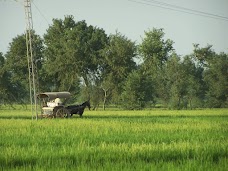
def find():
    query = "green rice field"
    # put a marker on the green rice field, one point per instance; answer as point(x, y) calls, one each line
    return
point(116, 140)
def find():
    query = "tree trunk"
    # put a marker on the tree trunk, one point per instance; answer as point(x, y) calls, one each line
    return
point(179, 100)
point(105, 97)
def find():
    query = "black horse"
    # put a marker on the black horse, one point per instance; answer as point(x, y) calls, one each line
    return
point(78, 109)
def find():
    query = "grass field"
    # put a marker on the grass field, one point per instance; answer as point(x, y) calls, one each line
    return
point(116, 140)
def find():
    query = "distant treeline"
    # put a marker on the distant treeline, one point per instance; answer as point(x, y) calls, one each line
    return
point(112, 69)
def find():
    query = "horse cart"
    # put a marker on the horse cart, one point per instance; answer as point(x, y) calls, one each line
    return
point(52, 106)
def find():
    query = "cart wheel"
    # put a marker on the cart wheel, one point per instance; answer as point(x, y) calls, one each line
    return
point(62, 113)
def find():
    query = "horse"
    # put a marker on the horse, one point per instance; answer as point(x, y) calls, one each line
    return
point(78, 109)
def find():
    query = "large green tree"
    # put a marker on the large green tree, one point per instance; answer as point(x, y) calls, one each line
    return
point(155, 52)
point(177, 81)
point(214, 75)
point(182, 82)
point(72, 52)
point(16, 65)
point(216, 78)
point(137, 90)
point(118, 62)
point(194, 83)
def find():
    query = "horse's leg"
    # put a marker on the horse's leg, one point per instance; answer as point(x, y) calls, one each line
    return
point(81, 112)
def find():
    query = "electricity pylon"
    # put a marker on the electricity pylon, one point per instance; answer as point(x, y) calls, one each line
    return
point(33, 80)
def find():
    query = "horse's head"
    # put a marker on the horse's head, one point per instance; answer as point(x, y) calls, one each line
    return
point(87, 103)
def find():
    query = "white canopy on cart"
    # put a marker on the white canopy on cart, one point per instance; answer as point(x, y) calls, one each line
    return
point(54, 95)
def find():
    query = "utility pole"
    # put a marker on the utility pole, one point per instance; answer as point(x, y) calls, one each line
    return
point(33, 80)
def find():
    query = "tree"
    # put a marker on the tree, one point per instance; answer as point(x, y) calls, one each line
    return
point(214, 75)
point(118, 62)
point(72, 52)
point(203, 55)
point(4, 80)
point(216, 78)
point(154, 49)
point(181, 86)
point(106, 87)
point(138, 90)
point(194, 89)
point(177, 81)
point(155, 52)
point(16, 66)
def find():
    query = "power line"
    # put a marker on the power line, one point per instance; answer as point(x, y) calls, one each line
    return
point(187, 9)
point(40, 12)
point(179, 9)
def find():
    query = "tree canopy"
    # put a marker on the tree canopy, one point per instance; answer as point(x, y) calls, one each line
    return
point(15, 68)
point(72, 52)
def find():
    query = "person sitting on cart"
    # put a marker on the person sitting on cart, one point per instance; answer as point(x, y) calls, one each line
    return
point(58, 102)
point(53, 103)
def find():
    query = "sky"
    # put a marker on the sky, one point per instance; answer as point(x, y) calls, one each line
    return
point(129, 17)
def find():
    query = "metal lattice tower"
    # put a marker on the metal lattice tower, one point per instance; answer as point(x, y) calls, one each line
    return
point(33, 80)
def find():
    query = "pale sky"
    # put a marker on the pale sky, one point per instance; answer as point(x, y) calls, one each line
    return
point(129, 18)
